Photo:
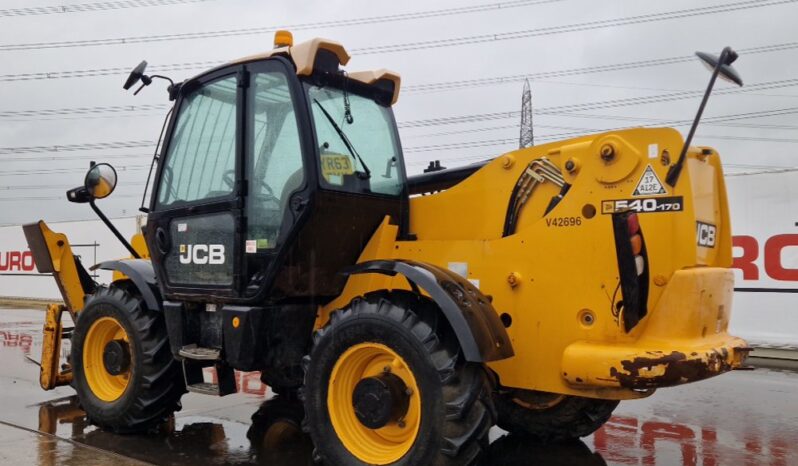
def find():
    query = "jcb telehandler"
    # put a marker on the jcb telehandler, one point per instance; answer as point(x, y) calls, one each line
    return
point(533, 291)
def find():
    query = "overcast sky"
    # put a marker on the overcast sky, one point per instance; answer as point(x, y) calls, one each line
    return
point(33, 180)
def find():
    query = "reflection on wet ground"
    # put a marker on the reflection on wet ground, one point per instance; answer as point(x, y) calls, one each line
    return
point(740, 418)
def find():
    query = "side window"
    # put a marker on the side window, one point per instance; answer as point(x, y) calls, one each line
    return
point(275, 158)
point(200, 161)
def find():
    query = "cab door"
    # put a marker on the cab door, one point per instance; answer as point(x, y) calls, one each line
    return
point(194, 229)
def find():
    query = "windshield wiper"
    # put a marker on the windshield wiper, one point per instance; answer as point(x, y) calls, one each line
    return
point(345, 139)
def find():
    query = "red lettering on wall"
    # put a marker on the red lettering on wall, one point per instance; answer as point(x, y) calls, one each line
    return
point(773, 265)
point(750, 254)
point(16, 261)
point(27, 261)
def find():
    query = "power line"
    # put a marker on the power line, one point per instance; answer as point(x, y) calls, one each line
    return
point(494, 80)
point(578, 27)
point(640, 19)
point(126, 110)
point(50, 171)
point(266, 29)
point(88, 7)
point(567, 110)
point(613, 103)
point(76, 147)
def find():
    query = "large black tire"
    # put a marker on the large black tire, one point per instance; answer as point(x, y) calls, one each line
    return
point(456, 409)
point(155, 383)
point(567, 418)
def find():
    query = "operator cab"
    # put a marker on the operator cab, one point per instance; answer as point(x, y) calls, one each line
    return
point(276, 169)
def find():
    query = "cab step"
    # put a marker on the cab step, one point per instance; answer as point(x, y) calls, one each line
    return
point(198, 353)
point(195, 378)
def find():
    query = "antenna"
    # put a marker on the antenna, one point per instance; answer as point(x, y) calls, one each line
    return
point(527, 138)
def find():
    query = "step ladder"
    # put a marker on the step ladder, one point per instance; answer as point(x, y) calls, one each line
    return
point(195, 359)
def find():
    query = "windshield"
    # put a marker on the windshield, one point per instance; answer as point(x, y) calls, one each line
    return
point(358, 146)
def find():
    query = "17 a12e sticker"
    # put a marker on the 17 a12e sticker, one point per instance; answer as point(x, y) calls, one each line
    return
point(643, 205)
point(649, 184)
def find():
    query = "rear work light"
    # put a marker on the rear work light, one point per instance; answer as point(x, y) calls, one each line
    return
point(632, 268)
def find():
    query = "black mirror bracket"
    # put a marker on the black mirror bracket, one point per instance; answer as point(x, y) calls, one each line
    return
point(113, 229)
point(721, 64)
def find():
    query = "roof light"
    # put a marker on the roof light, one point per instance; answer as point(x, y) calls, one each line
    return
point(283, 38)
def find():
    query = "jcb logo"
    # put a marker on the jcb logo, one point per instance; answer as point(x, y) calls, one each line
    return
point(705, 233)
point(202, 254)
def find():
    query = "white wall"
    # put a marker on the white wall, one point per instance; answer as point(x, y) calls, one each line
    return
point(18, 279)
point(763, 207)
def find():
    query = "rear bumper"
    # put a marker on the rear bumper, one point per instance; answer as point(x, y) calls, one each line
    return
point(683, 339)
point(642, 368)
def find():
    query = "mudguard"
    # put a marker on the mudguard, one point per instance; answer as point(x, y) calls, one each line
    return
point(142, 275)
point(476, 323)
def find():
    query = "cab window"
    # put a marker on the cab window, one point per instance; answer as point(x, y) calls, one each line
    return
point(275, 160)
point(200, 159)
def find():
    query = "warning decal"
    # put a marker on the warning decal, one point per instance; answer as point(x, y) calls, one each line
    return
point(649, 184)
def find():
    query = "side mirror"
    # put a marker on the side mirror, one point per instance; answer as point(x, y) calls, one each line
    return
point(135, 75)
point(726, 71)
point(100, 181)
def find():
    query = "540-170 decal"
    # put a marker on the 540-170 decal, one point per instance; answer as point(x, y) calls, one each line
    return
point(644, 204)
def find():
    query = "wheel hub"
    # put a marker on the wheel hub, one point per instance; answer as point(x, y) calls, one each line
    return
point(116, 357)
point(380, 400)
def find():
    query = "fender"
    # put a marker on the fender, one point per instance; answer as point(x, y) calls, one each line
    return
point(476, 323)
point(142, 275)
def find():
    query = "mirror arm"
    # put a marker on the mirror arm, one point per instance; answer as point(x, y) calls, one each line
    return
point(113, 229)
point(676, 169)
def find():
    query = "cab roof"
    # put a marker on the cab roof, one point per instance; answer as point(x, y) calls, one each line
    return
point(304, 57)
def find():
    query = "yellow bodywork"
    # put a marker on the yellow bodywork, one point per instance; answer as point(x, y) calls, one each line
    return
point(557, 268)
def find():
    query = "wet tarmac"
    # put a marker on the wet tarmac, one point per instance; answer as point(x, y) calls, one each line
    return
point(742, 418)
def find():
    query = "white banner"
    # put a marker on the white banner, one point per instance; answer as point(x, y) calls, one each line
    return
point(764, 212)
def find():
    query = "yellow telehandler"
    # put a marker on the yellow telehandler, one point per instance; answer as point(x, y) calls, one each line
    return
point(409, 315)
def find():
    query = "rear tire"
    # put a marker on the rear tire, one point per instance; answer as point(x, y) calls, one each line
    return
point(396, 333)
point(146, 390)
point(560, 419)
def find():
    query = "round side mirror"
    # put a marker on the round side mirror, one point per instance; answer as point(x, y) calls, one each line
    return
point(135, 75)
point(100, 180)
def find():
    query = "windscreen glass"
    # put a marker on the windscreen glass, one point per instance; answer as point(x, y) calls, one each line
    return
point(358, 146)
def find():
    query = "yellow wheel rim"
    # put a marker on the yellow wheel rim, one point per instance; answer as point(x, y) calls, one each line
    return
point(387, 444)
point(103, 385)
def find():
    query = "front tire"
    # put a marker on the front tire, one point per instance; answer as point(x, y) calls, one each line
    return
point(386, 383)
point(548, 418)
point(126, 378)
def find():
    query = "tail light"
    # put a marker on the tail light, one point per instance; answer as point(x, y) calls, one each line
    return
point(632, 268)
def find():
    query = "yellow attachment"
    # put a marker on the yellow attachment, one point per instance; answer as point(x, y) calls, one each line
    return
point(52, 254)
point(283, 38)
point(50, 375)
point(103, 385)
point(385, 445)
